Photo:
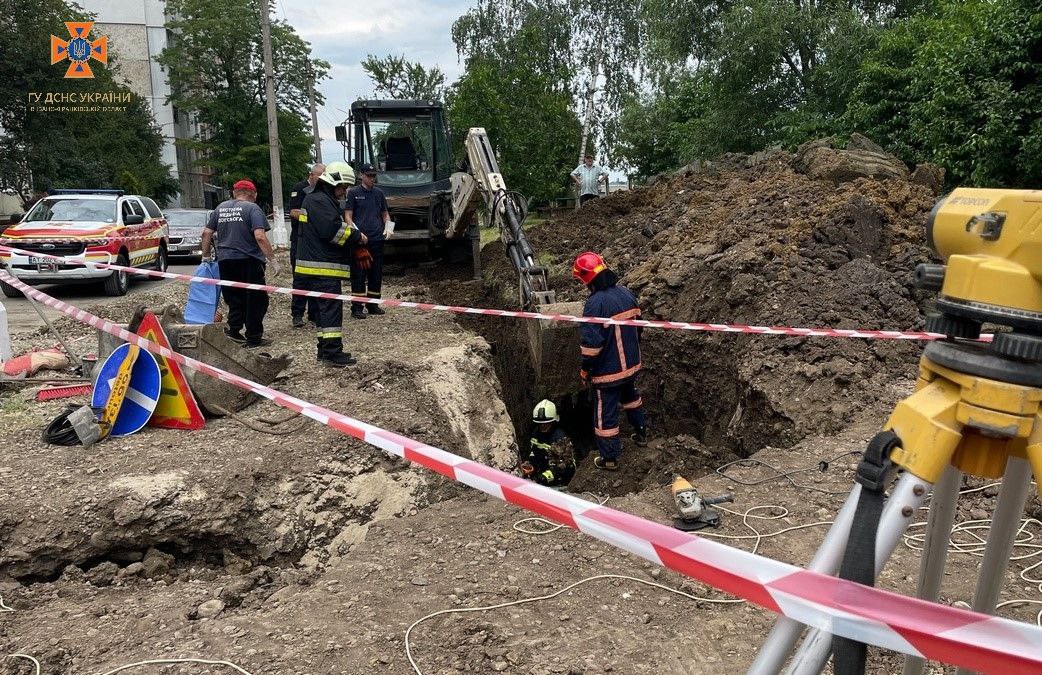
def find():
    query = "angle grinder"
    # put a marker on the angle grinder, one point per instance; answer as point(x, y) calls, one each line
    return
point(696, 511)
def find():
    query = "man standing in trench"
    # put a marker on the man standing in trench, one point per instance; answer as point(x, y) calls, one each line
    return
point(610, 358)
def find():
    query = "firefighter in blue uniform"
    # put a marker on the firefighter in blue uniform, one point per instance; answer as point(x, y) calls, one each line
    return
point(324, 257)
point(610, 359)
point(550, 458)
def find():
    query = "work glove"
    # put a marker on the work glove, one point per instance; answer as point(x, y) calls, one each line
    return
point(527, 469)
point(584, 377)
point(363, 257)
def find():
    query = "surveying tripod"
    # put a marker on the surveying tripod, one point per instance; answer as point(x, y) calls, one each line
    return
point(977, 409)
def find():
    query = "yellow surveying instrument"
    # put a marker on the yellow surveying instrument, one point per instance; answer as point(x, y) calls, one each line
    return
point(976, 410)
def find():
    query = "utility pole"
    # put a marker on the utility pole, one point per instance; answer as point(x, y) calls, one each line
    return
point(279, 226)
point(314, 113)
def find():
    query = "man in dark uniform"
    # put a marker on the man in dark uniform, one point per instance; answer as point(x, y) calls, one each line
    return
point(324, 255)
point(550, 459)
point(366, 209)
point(610, 358)
point(242, 248)
point(299, 303)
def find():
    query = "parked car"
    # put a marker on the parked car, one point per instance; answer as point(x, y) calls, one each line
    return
point(186, 232)
point(97, 225)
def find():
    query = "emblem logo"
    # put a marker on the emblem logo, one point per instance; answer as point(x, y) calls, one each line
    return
point(80, 49)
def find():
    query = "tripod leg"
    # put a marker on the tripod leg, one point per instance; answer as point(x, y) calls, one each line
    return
point(907, 496)
point(1004, 525)
point(935, 548)
point(779, 643)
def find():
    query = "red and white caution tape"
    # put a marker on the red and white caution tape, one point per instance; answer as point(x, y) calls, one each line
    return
point(536, 316)
point(889, 620)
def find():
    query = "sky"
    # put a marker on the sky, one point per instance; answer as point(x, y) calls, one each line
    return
point(344, 33)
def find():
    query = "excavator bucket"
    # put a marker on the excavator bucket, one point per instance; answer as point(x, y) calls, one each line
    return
point(554, 346)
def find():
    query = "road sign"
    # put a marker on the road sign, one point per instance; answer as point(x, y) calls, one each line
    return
point(141, 395)
point(177, 407)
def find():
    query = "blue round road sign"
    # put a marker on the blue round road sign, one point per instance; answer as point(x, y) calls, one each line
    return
point(142, 395)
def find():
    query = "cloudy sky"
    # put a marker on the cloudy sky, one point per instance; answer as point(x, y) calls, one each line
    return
point(344, 33)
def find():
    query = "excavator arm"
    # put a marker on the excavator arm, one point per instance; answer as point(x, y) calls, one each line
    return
point(482, 183)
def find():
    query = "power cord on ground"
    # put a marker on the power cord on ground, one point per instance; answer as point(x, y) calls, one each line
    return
point(256, 425)
point(3, 607)
point(787, 475)
point(174, 661)
point(26, 656)
point(550, 526)
point(467, 610)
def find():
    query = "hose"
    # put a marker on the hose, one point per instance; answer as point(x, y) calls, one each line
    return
point(60, 431)
point(254, 424)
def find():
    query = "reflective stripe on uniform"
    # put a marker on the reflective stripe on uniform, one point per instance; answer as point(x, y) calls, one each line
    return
point(373, 294)
point(322, 269)
point(607, 433)
point(343, 234)
point(615, 377)
point(303, 217)
point(590, 351)
point(330, 333)
point(633, 405)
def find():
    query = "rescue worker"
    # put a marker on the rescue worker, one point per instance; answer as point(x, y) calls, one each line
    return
point(366, 209)
point(324, 257)
point(550, 458)
point(299, 303)
point(610, 358)
point(243, 250)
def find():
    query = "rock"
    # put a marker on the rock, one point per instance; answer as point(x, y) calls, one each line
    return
point(156, 563)
point(860, 142)
point(979, 514)
point(133, 569)
point(419, 581)
point(930, 175)
point(233, 592)
point(840, 166)
point(209, 609)
point(103, 574)
point(500, 666)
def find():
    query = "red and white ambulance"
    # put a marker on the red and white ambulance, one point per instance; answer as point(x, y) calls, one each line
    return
point(97, 225)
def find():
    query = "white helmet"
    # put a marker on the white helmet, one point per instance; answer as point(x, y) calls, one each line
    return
point(545, 412)
point(338, 173)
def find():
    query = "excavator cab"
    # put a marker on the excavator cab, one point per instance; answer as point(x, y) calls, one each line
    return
point(408, 143)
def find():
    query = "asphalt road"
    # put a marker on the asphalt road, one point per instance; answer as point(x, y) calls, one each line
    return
point(22, 318)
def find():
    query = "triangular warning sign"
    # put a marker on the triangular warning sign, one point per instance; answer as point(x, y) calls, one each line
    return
point(177, 407)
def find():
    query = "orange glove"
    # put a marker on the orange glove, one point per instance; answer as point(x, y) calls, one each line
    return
point(527, 468)
point(584, 377)
point(363, 257)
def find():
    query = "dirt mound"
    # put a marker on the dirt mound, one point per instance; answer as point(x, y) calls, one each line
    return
point(752, 240)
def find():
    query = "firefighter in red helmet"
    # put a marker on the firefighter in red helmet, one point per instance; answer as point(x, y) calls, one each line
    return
point(610, 358)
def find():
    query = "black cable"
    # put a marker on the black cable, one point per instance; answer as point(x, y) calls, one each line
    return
point(822, 466)
point(60, 430)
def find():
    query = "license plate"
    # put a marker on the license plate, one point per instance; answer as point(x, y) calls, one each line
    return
point(36, 260)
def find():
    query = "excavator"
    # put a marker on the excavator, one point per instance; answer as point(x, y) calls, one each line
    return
point(408, 142)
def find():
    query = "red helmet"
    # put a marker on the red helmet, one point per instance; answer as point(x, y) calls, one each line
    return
point(587, 266)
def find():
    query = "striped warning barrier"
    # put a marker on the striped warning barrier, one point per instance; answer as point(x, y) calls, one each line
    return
point(535, 316)
point(871, 615)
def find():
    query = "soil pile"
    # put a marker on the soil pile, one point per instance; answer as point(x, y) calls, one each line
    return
point(757, 240)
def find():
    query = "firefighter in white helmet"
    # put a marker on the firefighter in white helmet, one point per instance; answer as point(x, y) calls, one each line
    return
point(550, 456)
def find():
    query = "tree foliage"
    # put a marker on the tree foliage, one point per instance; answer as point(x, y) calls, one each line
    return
point(575, 40)
point(41, 150)
point(215, 66)
point(962, 89)
point(395, 77)
point(517, 87)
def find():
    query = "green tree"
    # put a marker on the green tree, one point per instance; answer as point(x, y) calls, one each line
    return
point(40, 150)
point(962, 89)
point(216, 70)
point(521, 96)
point(748, 74)
point(575, 40)
point(398, 78)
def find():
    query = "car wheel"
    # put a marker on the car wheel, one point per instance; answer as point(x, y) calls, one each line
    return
point(161, 263)
point(118, 282)
point(10, 291)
